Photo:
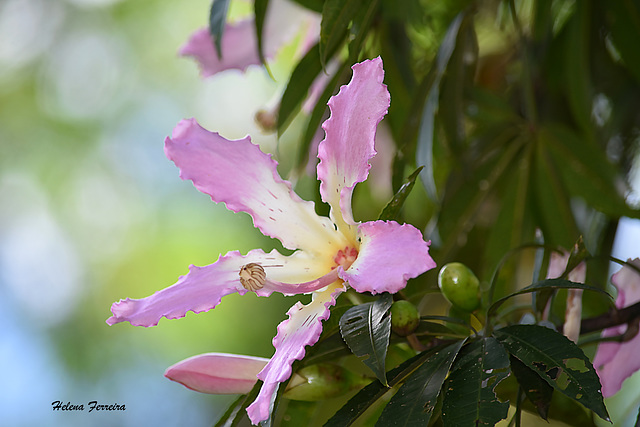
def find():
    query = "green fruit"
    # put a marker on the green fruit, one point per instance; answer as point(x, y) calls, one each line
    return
point(460, 286)
point(404, 318)
point(322, 381)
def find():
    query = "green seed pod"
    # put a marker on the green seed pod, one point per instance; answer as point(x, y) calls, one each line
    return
point(322, 381)
point(404, 318)
point(460, 286)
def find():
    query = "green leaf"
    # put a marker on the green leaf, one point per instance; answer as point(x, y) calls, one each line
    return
point(232, 412)
point(586, 170)
point(624, 24)
point(553, 201)
point(578, 254)
point(297, 89)
point(260, 11)
point(470, 398)
point(463, 199)
point(536, 389)
point(314, 5)
point(514, 223)
point(424, 154)
point(393, 207)
point(217, 21)
point(237, 411)
point(559, 361)
point(336, 17)
point(415, 401)
point(366, 329)
point(369, 395)
point(547, 284)
point(460, 73)
point(577, 81)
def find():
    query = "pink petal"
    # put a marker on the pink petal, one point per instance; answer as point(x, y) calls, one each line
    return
point(217, 373)
point(203, 288)
point(615, 361)
point(389, 255)
point(239, 48)
point(350, 133)
point(303, 328)
point(246, 179)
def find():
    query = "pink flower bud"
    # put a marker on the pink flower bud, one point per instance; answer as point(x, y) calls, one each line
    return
point(217, 373)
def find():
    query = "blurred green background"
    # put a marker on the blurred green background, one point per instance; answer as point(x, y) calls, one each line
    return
point(91, 211)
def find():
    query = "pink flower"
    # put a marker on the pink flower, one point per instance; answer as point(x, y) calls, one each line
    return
point(330, 253)
point(616, 361)
point(239, 47)
point(217, 373)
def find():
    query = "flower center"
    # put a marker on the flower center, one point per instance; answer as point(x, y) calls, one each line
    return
point(252, 276)
point(345, 257)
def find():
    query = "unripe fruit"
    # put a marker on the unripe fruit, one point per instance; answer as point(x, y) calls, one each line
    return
point(322, 381)
point(404, 318)
point(460, 286)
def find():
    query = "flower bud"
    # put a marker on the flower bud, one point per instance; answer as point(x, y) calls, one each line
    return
point(322, 381)
point(460, 286)
point(217, 373)
point(404, 318)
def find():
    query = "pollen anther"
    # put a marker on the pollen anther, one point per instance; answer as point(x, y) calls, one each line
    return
point(252, 276)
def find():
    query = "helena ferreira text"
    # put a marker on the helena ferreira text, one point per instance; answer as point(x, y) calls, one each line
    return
point(92, 406)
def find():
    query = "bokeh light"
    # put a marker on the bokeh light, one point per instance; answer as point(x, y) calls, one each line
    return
point(91, 210)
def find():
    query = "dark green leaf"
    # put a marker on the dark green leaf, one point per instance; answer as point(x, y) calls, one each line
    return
point(470, 398)
point(237, 411)
point(260, 11)
point(315, 5)
point(232, 412)
point(514, 224)
point(424, 154)
point(366, 397)
point(217, 21)
point(576, 67)
point(462, 205)
point(298, 87)
point(366, 329)
point(536, 389)
point(586, 170)
point(460, 72)
point(578, 254)
point(558, 361)
point(336, 17)
point(546, 284)
point(393, 207)
point(553, 201)
point(625, 32)
point(415, 401)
